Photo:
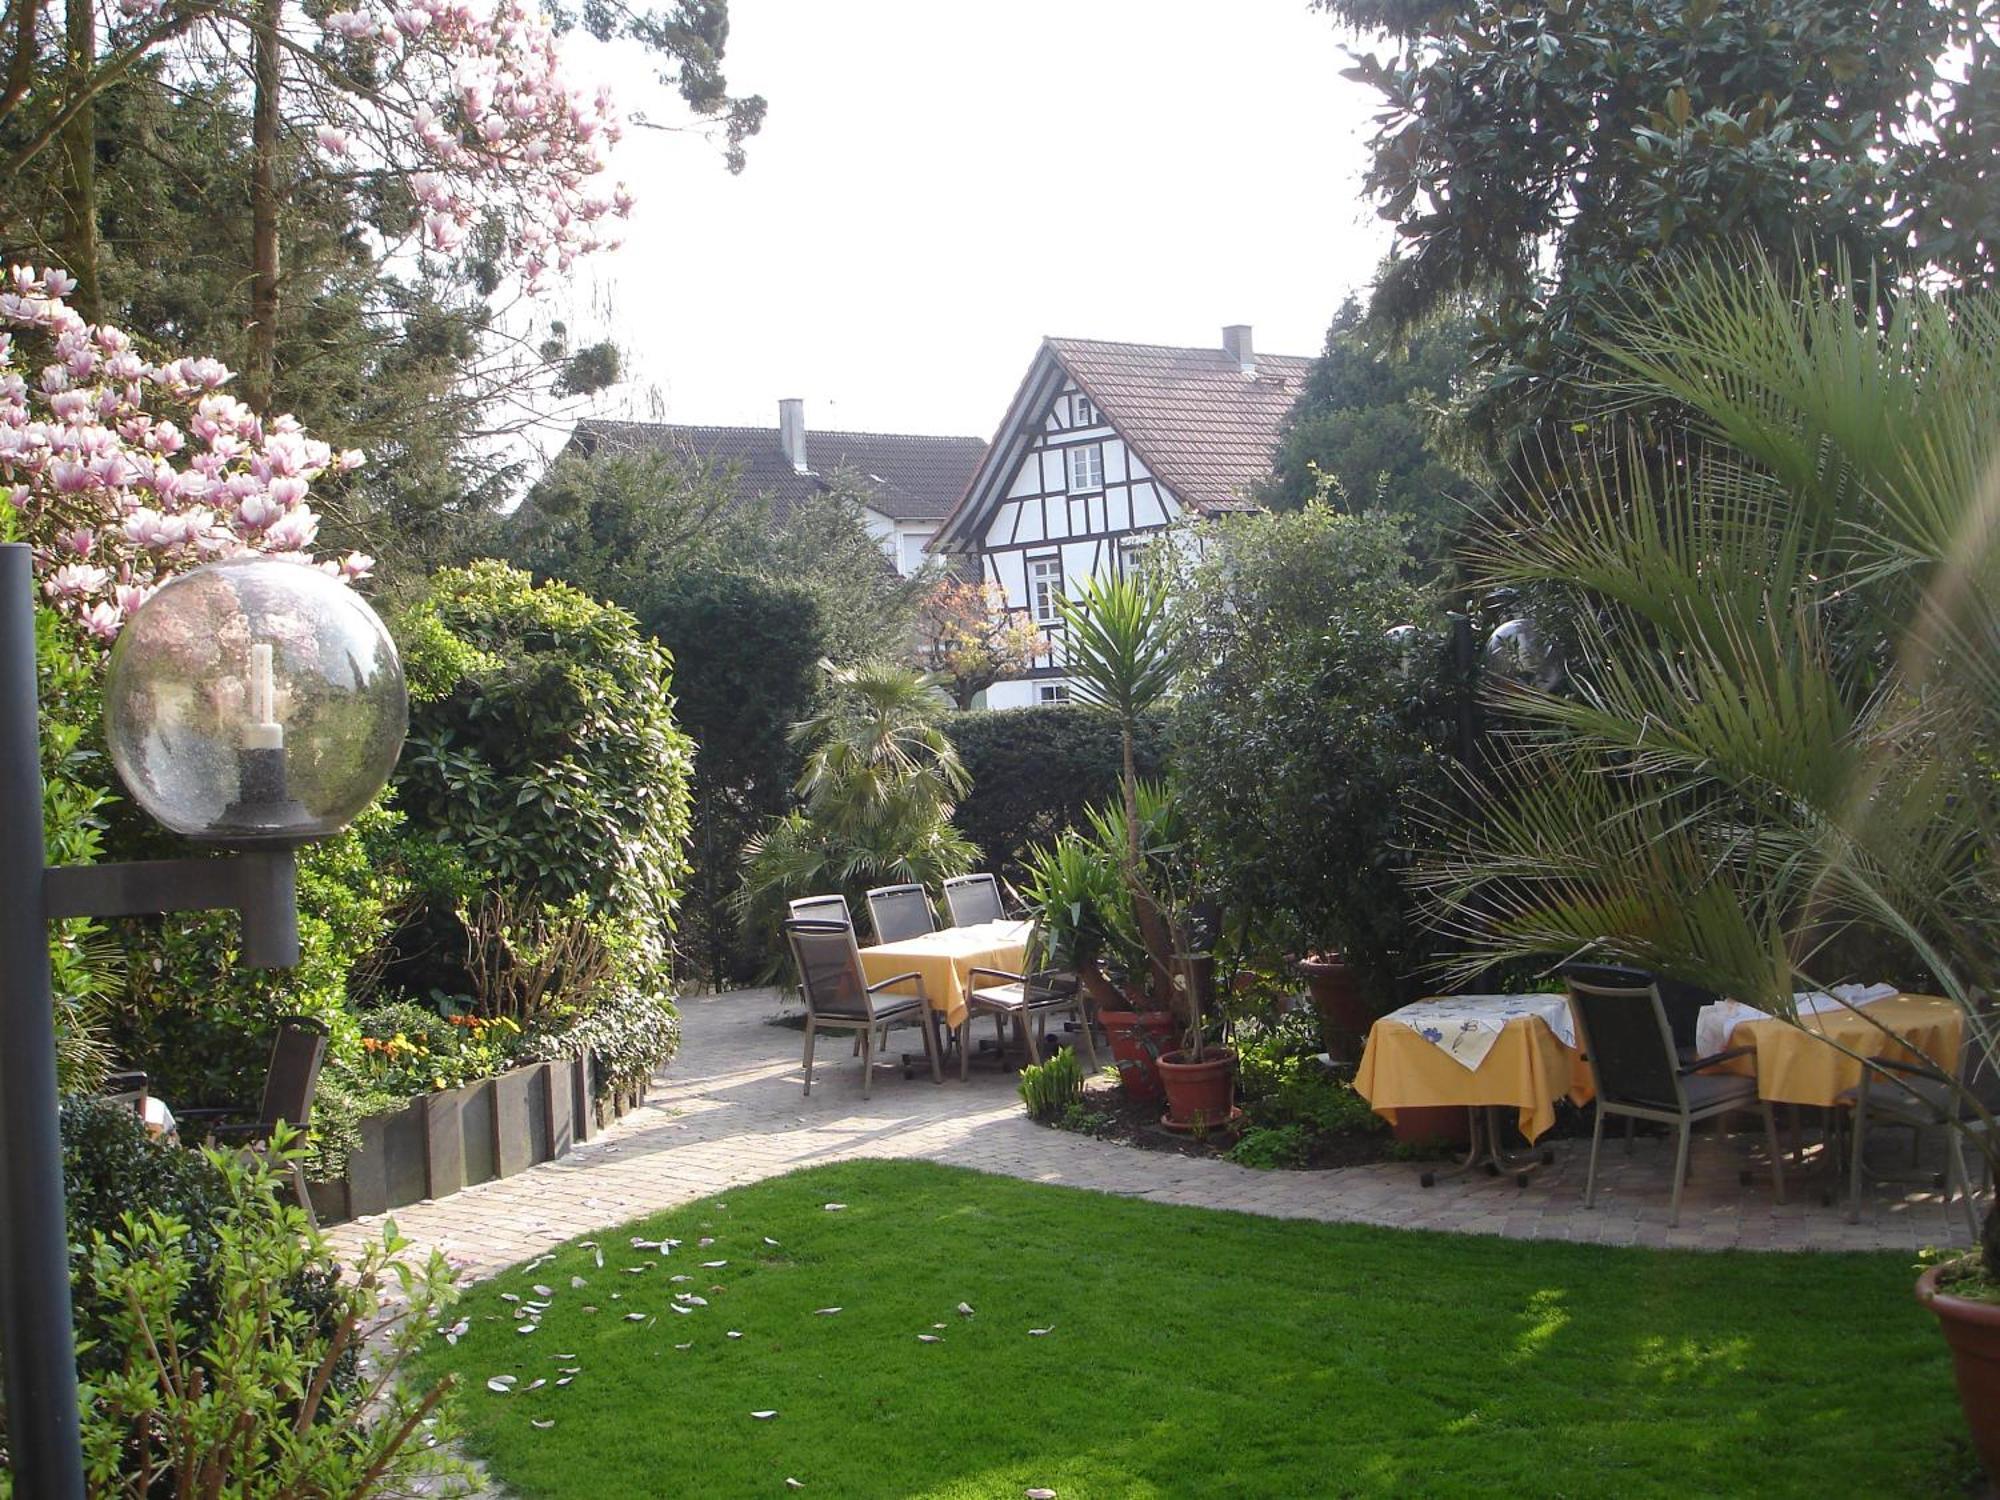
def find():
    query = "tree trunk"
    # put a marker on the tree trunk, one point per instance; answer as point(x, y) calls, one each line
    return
point(261, 378)
point(79, 150)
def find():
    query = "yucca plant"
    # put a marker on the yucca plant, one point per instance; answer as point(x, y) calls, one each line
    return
point(1777, 750)
point(1122, 649)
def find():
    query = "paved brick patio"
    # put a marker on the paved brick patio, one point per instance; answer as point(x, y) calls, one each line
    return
point(728, 1111)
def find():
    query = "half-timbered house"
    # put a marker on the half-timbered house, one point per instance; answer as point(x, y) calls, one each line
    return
point(1104, 447)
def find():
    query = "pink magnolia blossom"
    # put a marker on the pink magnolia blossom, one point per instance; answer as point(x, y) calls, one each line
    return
point(124, 473)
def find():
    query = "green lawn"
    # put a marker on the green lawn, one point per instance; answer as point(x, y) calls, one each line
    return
point(1190, 1353)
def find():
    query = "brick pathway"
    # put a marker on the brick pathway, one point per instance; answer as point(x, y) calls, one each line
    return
point(728, 1111)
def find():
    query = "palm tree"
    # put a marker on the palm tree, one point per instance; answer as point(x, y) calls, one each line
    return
point(876, 796)
point(1778, 748)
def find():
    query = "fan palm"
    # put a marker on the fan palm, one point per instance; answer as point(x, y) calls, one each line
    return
point(877, 791)
point(1779, 741)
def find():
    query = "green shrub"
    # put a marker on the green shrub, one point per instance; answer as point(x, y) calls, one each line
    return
point(1269, 1146)
point(627, 1038)
point(1306, 739)
point(544, 755)
point(113, 1166)
point(1051, 1088)
point(1034, 772)
point(1297, 1091)
point(259, 1408)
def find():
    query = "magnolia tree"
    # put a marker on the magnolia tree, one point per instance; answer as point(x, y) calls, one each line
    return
point(122, 472)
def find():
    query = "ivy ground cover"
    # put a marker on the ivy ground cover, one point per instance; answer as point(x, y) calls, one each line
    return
point(1181, 1352)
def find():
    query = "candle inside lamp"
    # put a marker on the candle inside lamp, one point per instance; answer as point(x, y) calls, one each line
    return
point(263, 731)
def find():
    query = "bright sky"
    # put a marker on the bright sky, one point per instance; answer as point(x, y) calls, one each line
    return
point(940, 184)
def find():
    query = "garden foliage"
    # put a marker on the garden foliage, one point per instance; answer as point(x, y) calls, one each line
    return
point(876, 796)
point(1305, 737)
point(544, 760)
point(1050, 1089)
point(1034, 772)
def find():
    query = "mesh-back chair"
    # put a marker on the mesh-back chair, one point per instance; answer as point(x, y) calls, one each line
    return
point(290, 1080)
point(821, 909)
point(973, 899)
point(1629, 1044)
point(839, 997)
point(1031, 996)
point(900, 911)
point(1892, 1092)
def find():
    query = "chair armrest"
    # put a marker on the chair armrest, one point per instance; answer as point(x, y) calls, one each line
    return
point(883, 984)
point(1708, 1062)
point(212, 1115)
point(1007, 974)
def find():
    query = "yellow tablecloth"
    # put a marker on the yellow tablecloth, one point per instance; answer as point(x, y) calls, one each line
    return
point(945, 958)
point(1528, 1068)
point(1797, 1063)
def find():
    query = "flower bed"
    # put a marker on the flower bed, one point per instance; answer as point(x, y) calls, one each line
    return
point(450, 1139)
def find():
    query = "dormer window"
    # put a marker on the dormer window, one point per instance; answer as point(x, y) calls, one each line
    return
point(1086, 468)
point(1081, 412)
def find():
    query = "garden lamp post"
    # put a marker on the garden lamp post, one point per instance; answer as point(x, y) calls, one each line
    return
point(254, 705)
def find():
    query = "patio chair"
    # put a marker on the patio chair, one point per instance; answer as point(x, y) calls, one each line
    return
point(820, 909)
point(1896, 1093)
point(289, 1082)
point(973, 899)
point(900, 911)
point(1034, 995)
point(839, 997)
point(1629, 1044)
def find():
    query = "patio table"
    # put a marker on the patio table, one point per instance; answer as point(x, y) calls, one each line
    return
point(946, 958)
point(1799, 1063)
point(1480, 1051)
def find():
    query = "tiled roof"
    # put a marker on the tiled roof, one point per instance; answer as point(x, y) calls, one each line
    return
point(906, 478)
point(1200, 423)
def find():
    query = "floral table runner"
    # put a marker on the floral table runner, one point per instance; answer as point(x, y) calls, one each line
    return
point(1465, 1027)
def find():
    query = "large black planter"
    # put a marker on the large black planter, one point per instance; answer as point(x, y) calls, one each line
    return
point(440, 1143)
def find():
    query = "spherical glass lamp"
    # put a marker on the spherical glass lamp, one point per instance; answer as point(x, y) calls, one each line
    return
point(255, 703)
point(1516, 650)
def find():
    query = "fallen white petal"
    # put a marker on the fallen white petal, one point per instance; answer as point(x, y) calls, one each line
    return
point(1039, 1493)
point(535, 1385)
point(680, 1308)
point(771, 1242)
point(965, 1309)
point(509, 1297)
point(684, 1346)
point(1035, 1333)
point(734, 1334)
point(577, 1281)
point(545, 1423)
point(528, 1327)
point(833, 1208)
point(763, 1416)
point(565, 1380)
point(500, 1385)
point(825, 1312)
point(794, 1484)
point(929, 1338)
point(544, 1291)
point(635, 1317)
point(713, 1265)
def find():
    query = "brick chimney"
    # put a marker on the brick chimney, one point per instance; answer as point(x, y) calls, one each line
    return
point(792, 432)
point(1236, 344)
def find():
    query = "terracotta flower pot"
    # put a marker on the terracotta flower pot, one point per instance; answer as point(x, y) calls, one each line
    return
point(1200, 1095)
point(1972, 1329)
point(1344, 1012)
point(1450, 1124)
point(1137, 1038)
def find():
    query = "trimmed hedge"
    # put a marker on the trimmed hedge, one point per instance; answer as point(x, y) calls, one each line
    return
point(1035, 770)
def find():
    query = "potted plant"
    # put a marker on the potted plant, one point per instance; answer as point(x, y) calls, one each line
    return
point(1123, 648)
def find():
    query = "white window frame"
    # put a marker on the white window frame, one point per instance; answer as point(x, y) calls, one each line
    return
point(1051, 692)
point(1081, 412)
point(1080, 482)
point(1042, 603)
